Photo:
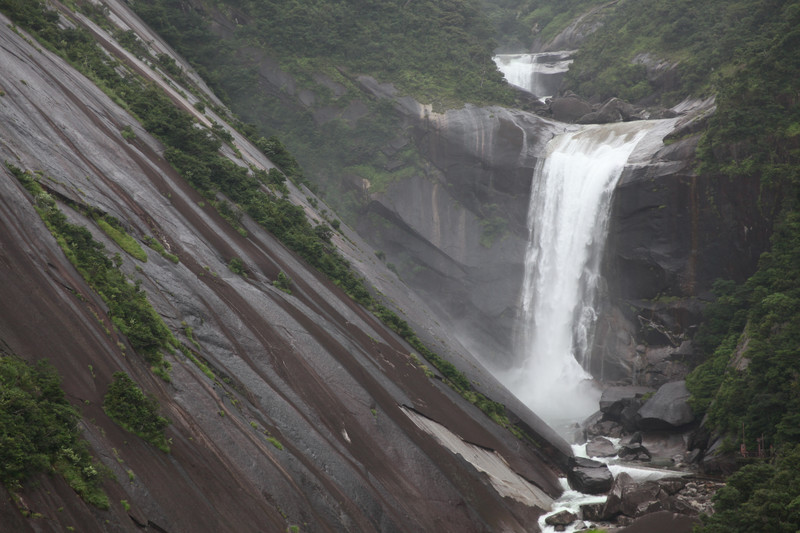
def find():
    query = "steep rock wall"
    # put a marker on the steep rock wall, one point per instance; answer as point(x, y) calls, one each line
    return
point(459, 234)
point(673, 232)
point(313, 370)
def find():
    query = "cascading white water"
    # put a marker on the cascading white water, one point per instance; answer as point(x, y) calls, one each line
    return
point(567, 220)
point(539, 74)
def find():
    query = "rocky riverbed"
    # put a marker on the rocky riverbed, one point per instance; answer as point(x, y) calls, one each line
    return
point(636, 469)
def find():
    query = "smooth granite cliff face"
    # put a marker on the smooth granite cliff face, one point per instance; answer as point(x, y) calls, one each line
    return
point(458, 235)
point(672, 234)
point(368, 442)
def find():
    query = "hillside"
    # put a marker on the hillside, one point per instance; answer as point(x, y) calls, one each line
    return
point(219, 380)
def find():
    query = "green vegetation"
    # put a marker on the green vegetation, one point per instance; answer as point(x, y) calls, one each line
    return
point(759, 497)
point(128, 134)
point(706, 39)
point(236, 266)
point(158, 247)
point(113, 229)
point(492, 230)
point(129, 308)
point(275, 442)
point(518, 23)
point(754, 135)
point(39, 431)
point(437, 51)
point(132, 410)
point(428, 49)
point(283, 283)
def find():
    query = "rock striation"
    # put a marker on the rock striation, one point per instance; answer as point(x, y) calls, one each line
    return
point(301, 423)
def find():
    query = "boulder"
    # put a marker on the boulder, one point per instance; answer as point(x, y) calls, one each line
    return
point(584, 462)
point(589, 477)
point(672, 485)
point(636, 438)
point(661, 522)
point(563, 518)
point(612, 399)
point(668, 408)
point(569, 108)
point(594, 512)
point(643, 498)
point(629, 416)
point(716, 462)
point(607, 428)
point(613, 505)
point(634, 452)
point(634, 499)
point(600, 447)
point(615, 110)
point(694, 456)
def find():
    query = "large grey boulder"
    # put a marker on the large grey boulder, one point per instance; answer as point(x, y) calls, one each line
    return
point(634, 499)
point(569, 108)
point(563, 518)
point(589, 477)
point(643, 498)
point(668, 408)
point(615, 110)
point(600, 447)
point(634, 452)
point(613, 504)
point(612, 399)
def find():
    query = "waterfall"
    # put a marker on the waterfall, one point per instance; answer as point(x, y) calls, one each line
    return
point(539, 74)
point(567, 219)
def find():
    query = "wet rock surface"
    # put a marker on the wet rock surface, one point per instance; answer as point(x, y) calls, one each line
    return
point(670, 505)
point(588, 476)
point(563, 518)
point(600, 447)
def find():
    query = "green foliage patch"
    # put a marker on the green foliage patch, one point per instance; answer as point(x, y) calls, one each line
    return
point(283, 282)
point(759, 497)
point(113, 229)
point(128, 305)
point(427, 48)
point(518, 23)
point(39, 431)
point(437, 51)
point(752, 135)
point(134, 411)
point(703, 38)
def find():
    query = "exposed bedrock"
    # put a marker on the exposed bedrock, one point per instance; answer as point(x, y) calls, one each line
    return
point(458, 235)
point(311, 371)
point(672, 234)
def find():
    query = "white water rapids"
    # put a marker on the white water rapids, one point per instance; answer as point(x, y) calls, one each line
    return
point(567, 219)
